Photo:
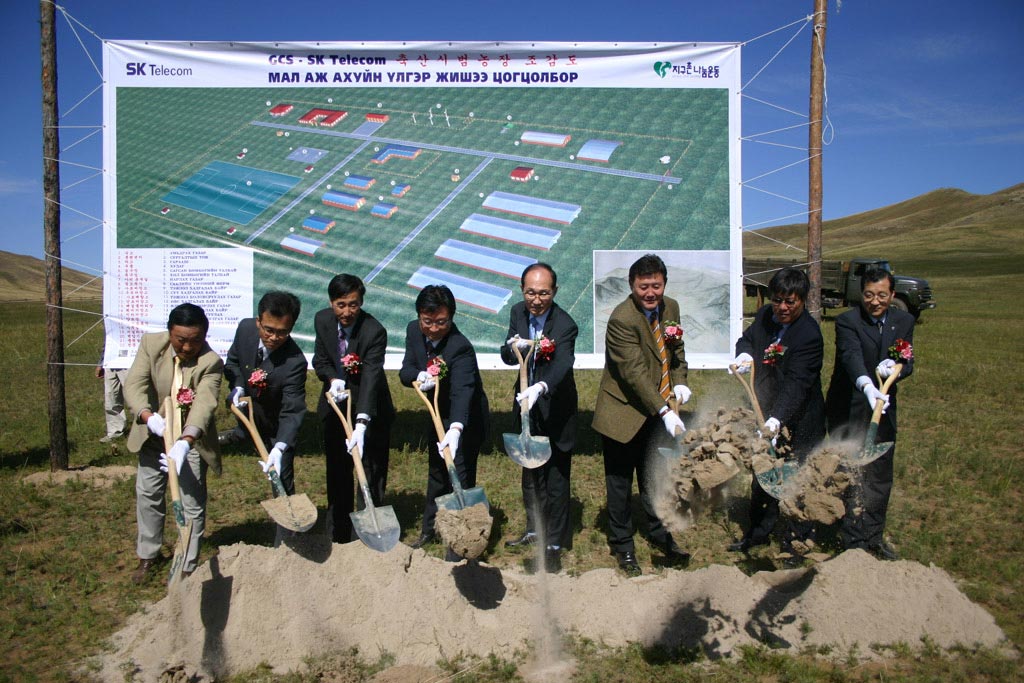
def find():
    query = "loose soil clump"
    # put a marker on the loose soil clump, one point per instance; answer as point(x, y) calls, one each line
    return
point(465, 531)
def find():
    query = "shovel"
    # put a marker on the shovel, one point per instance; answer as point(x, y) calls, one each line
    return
point(184, 527)
point(526, 450)
point(873, 451)
point(295, 513)
point(377, 527)
point(461, 498)
point(773, 481)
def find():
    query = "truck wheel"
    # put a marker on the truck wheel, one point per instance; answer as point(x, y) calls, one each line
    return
point(900, 305)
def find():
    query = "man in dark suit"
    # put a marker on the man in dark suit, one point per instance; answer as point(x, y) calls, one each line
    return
point(864, 337)
point(643, 369)
point(266, 366)
point(785, 343)
point(349, 355)
point(462, 401)
point(552, 404)
point(180, 364)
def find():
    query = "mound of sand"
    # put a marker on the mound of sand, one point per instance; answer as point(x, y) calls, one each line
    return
point(98, 477)
point(254, 604)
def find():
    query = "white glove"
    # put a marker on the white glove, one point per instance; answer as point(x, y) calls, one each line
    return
point(885, 368)
point(178, 453)
point(682, 393)
point(518, 341)
point(425, 380)
point(532, 393)
point(673, 423)
point(872, 394)
point(772, 426)
point(156, 424)
point(273, 459)
point(742, 363)
point(358, 437)
point(451, 439)
point(337, 389)
point(236, 395)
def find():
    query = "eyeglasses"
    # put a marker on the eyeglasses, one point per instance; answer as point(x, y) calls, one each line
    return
point(880, 297)
point(778, 301)
point(441, 323)
point(534, 294)
point(273, 331)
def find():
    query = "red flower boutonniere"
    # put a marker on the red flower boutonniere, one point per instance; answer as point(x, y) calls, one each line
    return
point(352, 363)
point(773, 353)
point(672, 332)
point(545, 348)
point(901, 351)
point(184, 399)
point(437, 367)
point(258, 380)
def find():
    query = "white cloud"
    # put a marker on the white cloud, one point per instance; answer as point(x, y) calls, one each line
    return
point(13, 186)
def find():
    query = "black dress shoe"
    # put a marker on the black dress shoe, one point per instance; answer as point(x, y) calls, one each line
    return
point(422, 541)
point(230, 437)
point(884, 551)
point(144, 569)
point(745, 544)
point(675, 554)
point(628, 563)
point(529, 538)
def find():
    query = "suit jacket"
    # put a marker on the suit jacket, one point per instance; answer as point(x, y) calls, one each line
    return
point(790, 388)
point(462, 398)
point(859, 349)
point(149, 383)
point(628, 394)
point(369, 386)
point(554, 413)
point(280, 406)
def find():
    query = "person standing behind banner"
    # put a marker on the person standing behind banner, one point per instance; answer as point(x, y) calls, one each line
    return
point(551, 392)
point(177, 363)
point(349, 356)
point(266, 366)
point(873, 336)
point(113, 401)
point(643, 370)
point(434, 338)
point(785, 343)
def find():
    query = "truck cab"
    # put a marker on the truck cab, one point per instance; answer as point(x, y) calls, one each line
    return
point(913, 294)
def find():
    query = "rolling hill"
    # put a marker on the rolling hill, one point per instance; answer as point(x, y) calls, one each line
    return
point(23, 278)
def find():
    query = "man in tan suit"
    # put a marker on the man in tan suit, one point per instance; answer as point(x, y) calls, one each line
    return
point(177, 360)
point(643, 369)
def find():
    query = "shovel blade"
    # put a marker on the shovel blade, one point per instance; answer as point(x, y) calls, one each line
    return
point(774, 481)
point(527, 451)
point(295, 513)
point(868, 454)
point(470, 497)
point(377, 527)
point(174, 575)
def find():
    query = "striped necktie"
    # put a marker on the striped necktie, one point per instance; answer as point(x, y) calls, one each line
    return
point(342, 342)
point(659, 340)
point(177, 381)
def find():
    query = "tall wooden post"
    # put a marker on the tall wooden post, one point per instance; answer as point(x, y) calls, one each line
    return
point(814, 149)
point(51, 229)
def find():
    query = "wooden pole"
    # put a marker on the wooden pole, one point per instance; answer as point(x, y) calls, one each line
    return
point(814, 149)
point(51, 228)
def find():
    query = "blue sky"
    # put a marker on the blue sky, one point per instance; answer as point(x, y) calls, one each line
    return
point(922, 94)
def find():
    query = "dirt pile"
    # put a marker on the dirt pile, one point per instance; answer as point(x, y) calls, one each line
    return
point(465, 531)
point(97, 477)
point(254, 604)
point(818, 488)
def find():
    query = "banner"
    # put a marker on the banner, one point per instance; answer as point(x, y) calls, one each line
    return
point(236, 168)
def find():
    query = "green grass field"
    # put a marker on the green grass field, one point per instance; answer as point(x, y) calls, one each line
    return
point(66, 551)
point(165, 135)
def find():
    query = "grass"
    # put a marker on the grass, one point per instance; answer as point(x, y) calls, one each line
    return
point(66, 551)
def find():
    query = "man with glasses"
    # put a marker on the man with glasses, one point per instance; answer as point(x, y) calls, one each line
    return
point(349, 356)
point(265, 366)
point(551, 399)
point(786, 345)
point(433, 338)
point(864, 337)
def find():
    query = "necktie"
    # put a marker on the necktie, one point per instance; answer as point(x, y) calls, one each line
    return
point(259, 356)
point(176, 382)
point(659, 339)
point(431, 351)
point(535, 328)
point(342, 343)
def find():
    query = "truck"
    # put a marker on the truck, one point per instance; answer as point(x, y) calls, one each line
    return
point(840, 282)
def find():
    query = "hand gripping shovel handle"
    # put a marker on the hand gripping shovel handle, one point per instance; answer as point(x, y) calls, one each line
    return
point(522, 369)
point(870, 448)
point(172, 471)
point(250, 426)
point(435, 416)
point(357, 457)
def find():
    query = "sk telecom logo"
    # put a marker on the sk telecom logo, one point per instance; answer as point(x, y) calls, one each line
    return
point(661, 68)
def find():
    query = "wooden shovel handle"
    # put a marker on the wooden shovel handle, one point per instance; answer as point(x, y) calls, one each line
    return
point(876, 416)
point(169, 439)
point(435, 415)
point(748, 386)
point(250, 426)
point(522, 370)
point(346, 423)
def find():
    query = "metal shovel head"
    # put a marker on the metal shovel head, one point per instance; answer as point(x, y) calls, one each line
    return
point(295, 513)
point(527, 451)
point(868, 454)
point(774, 481)
point(377, 527)
point(470, 497)
point(174, 575)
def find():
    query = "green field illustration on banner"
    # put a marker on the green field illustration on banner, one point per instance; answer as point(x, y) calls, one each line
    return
point(410, 186)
